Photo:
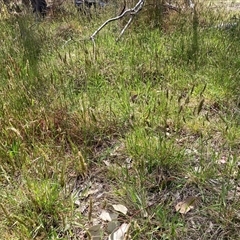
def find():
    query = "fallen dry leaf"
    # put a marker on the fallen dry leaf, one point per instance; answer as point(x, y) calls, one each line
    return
point(186, 205)
point(111, 226)
point(119, 234)
point(120, 208)
point(95, 232)
point(107, 163)
point(106, 216)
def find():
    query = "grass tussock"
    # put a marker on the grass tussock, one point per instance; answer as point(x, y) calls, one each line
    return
point(147, 122)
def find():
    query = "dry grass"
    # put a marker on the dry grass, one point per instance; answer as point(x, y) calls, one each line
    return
point(147, 122)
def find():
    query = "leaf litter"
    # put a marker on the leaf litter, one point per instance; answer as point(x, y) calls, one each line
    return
point(187, 205)
point(92, 201)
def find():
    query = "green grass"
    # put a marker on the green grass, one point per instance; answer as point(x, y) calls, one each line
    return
point(145, 122)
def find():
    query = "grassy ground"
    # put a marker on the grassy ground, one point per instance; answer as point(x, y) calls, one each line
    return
point(150, 122)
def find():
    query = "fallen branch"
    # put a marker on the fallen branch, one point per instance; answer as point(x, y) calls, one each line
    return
point(135, 10)
point(125, 27)
point(132, 12)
